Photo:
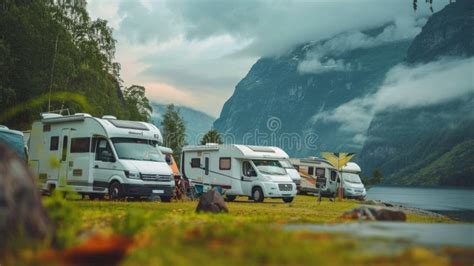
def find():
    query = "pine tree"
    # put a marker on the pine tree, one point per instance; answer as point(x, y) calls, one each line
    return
point(174, 130)
point(212, 136)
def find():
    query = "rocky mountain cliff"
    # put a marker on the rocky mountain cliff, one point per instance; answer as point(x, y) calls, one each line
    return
point(197, 122)
point(327, 95)
point(284, 100)
point(431, 145)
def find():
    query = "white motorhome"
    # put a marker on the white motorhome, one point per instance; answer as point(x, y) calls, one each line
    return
point(14, 140)
point(95, 156)
point(352, 184)
point(321, 174)
point(240, 170)
point(292, 172)
point(317, 174)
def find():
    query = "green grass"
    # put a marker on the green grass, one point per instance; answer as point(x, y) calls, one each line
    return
point(250, 234)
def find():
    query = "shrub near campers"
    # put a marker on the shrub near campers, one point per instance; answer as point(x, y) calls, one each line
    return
point(95, 156)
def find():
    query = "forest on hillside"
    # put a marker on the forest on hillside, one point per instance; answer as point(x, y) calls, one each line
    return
point(54, 56)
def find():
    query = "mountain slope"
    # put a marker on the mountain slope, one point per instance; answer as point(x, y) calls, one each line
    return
point(283, 100)
point(197, 122)
point(408, 145)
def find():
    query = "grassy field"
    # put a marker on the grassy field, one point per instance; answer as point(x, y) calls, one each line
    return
point(250, 234)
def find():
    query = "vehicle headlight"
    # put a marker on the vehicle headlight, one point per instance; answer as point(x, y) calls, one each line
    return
point(132, 174)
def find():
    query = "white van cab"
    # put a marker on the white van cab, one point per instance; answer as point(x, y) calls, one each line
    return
point(95, 156)
point(353, 186)
point(239, 170)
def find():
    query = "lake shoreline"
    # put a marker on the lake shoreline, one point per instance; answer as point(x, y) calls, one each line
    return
point(453, 203)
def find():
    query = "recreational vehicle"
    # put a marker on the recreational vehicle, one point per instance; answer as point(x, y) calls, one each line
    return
point(292, 172)
point(95, 156)
point(319, 175)
point(353, 186)
point(182, 185)
point(239, 170)
point(14, 140)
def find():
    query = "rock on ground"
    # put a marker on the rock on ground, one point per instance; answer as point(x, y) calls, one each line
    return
point(211, 201)
point(21, 211)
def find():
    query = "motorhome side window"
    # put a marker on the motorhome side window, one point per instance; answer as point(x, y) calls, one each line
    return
point(196, 162)
point(224, 163)
point(54, 143)
point(321, 172)
point(64, 152)
point(333, 175)
point(80, 145)
point(247, 169)
point(103, 151)
point(310, 170)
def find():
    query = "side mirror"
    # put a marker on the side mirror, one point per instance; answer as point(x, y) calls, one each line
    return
point(168, 159)
point(251, 172)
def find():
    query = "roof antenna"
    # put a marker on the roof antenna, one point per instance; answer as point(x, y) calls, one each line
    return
point(52, 72)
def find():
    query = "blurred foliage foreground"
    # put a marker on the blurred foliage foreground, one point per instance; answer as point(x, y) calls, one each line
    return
point(154, 233)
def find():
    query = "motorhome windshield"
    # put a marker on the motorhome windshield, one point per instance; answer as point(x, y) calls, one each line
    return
point(351, 178)
point(137, 149)
point(14, 141)
point(286, 164)
point(269, 167)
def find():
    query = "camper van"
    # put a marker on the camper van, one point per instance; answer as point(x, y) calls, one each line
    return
point(320, 175)
point(14, 140)
point(238, 170)
point(292, 172)
point(352, 184)
point(95, 156)
point(182, 185)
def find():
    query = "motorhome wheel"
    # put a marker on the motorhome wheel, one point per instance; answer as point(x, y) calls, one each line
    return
point(165, 198)
point(116, 191)
point(288, 199)
point(96, 196)
point(257, 194)
point(230, 198)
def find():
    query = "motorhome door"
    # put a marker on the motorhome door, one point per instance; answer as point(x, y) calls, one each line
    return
point(104, 163)
point(248, 176)
point(63, 157)
point(206, 178)
point(79, 158)
point(333, 181)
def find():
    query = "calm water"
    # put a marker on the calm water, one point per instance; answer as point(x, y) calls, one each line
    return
point(453, 202)
point(431, 234)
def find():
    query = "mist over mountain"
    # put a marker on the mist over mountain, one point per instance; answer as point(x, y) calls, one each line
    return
point(197, 122)
point(303, 89)
point(399, 96)
point(431, 144)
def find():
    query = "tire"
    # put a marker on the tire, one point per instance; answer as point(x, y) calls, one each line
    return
point(165, 198)
point(288, 199)
point(116, 191)
point(257, 194)
point(96, 196)
point(230, 198)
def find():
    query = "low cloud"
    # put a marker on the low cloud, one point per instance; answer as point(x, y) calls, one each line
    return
point(203, 48)
point(405, 87)
point(319, 57)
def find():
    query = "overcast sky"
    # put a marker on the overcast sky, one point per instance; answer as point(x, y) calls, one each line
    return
point(193, 53)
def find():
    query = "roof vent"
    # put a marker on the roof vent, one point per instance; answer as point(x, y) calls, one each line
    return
point(212, 144)
point(109, 117)
point(50, 115)
point(83, 114)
